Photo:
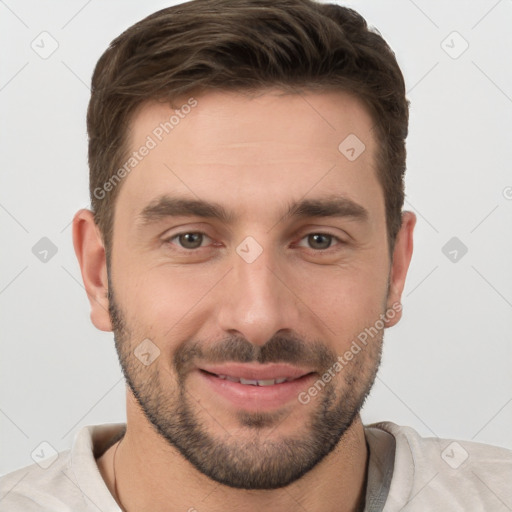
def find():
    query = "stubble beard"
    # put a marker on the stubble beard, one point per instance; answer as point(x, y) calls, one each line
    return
point(254, 457)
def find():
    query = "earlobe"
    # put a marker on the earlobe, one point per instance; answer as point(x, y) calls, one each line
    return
point(90, 252)
point(402, 255)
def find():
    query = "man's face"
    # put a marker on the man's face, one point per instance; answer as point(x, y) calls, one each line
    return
point(276, 288)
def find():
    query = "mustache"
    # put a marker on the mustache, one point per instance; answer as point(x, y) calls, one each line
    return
point(279, 349)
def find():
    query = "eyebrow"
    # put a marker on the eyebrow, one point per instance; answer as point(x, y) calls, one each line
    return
point(168, 206)
point(329, 207)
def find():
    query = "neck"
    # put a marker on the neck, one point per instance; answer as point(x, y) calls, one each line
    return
point(149, 474)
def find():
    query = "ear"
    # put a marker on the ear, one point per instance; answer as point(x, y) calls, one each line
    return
point(402, 254)
point(90, 253)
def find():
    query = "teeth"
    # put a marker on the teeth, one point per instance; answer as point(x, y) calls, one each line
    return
point(269, 382)
point(254, 382)
point(248, 381)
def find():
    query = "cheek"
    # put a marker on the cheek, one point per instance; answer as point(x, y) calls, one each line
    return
point(346, 299)
point(159, 298)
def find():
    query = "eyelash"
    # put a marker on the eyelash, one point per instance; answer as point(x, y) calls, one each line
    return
point(334, 238)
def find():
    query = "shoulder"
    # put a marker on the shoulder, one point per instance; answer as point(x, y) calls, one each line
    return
point(432, 472)
point(67, 482)
point(36, 488)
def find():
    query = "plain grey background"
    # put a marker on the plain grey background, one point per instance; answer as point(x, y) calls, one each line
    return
point(446, 366)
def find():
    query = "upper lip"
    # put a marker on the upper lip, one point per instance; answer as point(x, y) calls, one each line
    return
point(256, 371)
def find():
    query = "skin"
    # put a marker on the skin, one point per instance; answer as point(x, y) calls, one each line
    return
point(253, 156)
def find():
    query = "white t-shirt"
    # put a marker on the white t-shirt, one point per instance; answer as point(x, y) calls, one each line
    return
point(406, 472)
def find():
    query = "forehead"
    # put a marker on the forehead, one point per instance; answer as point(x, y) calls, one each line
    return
point(252, 152)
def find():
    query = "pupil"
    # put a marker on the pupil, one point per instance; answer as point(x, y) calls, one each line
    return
point(320, 241)
point(191, 240)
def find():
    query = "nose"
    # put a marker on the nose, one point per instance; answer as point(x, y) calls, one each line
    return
point(257, 299)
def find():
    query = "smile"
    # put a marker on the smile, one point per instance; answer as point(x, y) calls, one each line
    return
point(255, 382)
point(255, 386)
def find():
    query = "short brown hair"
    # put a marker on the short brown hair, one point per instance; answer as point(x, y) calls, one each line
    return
point(245, 45)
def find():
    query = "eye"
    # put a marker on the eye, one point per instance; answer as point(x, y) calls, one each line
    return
point(191, 240)
point(319, 241)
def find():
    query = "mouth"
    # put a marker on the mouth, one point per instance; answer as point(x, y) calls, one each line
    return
point(253, 382)
point(256, 387)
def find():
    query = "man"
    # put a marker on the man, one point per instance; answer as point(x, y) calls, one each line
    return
point(247, 247)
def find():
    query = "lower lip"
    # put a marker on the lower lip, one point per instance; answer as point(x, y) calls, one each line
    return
point(257, 398)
